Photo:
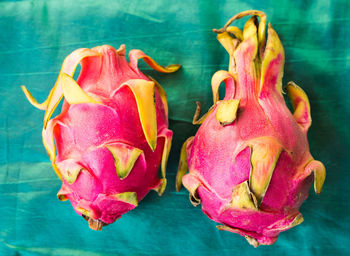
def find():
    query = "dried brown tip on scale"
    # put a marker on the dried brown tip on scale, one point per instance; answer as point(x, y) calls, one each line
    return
point(195, 199)
point(94, 224)
point(252, 241)
point(196, 115)
point(196, 118)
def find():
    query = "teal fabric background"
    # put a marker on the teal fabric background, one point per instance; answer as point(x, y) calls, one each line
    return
point(37, 35)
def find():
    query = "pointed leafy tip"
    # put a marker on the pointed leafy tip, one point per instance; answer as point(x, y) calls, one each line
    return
point(319, 171)
point(261, 30)
point(69, 65)
point(191, 183)
point(69, 169)
point(243, 198)
point(219, 77)
point(247, 50)
point(160, 188)
point(32, 100)
point(84, 211)
point(73, 92)
point(127, 197)
point(240, 15)
point(183, 165)
point(227, 111)
point(199, 120)
point(162, 95)
point(49, 143)
point(251, 240)
point(301, 105)
point(250, 29)
point(62, 193)
point(167, 135)
point(56, 171)
point(124, 157)
point(121, 49)
point(54, 99)
point(237, 32)
point(284, 224)
point(246, 61)
point(264, 156)
point(227, 42)
point(272, 64)
point(135, 55)
point(230, 44)
point(143, 91)
point(226, 228)
point(297, 220)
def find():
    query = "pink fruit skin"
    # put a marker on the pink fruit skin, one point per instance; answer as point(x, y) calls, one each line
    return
point(82, 132)
point(220, 156)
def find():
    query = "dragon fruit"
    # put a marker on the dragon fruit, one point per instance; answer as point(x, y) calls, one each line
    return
point(249, 162)
point(112, 134)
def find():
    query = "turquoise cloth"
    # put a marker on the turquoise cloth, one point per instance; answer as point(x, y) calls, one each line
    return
point(37, 35)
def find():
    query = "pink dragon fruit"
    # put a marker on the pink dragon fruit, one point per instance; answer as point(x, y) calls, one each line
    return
point(249, 163)
point(111, 135)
